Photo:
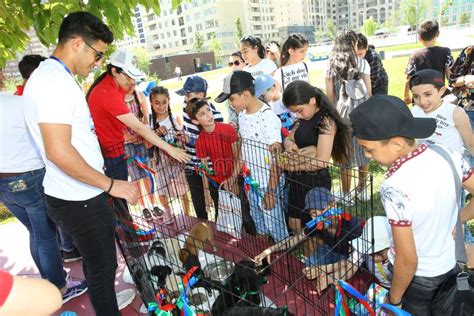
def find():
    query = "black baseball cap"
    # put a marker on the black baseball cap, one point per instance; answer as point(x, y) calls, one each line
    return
point(384, 116)
point(235, 82)
point(427, 76)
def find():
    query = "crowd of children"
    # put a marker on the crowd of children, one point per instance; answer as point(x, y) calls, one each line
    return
point(283, 133)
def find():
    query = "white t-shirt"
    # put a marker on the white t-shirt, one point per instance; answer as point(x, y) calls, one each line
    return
point(446, 132)
point(53, 96)
point(258, 131)
point(18, 152)
point(419, 192)
point(264, 67)
point(291, 73)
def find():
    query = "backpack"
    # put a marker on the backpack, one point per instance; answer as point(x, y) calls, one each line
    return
point(352, 93)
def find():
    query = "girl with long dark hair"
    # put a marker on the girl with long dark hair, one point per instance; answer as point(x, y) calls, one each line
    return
point(320, 135)
point(345, 67)
point(253, 53)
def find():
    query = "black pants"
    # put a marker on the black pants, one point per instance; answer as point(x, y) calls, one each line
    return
point(91, 224)
point(197, 194)
point(427, 296)
point(116, 168)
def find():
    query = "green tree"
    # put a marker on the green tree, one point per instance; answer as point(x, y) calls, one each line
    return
point(412, 12)
point(17, 17)
point(369, 27)
point(199, 42)
point(465, 19)
point(319, 36)
point(142, 58)
point(239, 32)
point(331, 30)
point(216, 46)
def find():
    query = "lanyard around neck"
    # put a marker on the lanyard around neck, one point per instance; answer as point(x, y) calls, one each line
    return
point(62, 64)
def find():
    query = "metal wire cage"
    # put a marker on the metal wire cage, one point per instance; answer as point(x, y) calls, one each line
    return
point(179, 261)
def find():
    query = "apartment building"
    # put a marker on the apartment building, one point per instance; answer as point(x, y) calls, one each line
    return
point(349, 13)
point(173, 32)
point(454, 12)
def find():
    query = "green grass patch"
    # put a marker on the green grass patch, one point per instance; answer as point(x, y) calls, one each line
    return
point(394, 48)
point(5, 215)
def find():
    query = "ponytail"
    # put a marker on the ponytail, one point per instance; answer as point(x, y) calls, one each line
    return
point(294, 41)
point(253, 41)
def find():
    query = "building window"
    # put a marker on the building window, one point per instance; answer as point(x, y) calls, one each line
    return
point(175, 33)
point(190, 29)
point(184, 42)
point(152, 27)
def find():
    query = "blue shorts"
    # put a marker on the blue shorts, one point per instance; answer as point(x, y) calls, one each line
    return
point(323, 255)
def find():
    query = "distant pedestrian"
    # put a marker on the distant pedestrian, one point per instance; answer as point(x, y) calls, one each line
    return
point(177, 72)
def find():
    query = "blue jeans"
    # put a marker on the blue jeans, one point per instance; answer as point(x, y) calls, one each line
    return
point(66, 241)
point(272, 221)
point(23, 195)
point(323, 255)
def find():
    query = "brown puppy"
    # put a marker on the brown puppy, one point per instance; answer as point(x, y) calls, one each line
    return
point(199, 234)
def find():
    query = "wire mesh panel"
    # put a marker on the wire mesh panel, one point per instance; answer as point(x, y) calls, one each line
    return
point(179, 261)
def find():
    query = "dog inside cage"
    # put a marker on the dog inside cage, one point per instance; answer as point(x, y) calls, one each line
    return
point(244, 257)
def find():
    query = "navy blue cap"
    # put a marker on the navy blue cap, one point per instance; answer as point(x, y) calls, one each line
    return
point(318, 199)
point(193, 84)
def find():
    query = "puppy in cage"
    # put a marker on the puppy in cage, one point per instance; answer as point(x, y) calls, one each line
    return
point(197, 238)
point(332, 228)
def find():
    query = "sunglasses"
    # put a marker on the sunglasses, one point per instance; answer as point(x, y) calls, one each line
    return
point(98, 54)
point(234, 63)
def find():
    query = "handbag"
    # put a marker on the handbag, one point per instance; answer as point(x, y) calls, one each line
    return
point(229, 220)
point(463, 284)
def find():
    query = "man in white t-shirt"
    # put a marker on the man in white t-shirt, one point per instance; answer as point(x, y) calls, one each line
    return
point(420, 201)
point(59, 120)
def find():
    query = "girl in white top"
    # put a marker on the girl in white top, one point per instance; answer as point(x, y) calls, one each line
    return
point(170, 174)
point(292, 62)
point(253, 53)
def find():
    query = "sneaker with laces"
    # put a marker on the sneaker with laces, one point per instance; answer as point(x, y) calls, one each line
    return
point(147, 214)
point(125, 298)
point(74, 289)
point(158, 212)
point(71, 256)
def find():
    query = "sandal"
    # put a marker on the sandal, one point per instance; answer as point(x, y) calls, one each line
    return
point(158, 212)
point(147, 214)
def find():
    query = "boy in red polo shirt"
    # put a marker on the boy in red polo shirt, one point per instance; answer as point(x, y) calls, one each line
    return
point(218, 142)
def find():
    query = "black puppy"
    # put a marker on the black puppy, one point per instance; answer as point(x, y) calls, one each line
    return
point(161, 273)
point(243, 288)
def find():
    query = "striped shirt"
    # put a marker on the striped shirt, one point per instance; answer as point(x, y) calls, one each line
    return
point(192, 131)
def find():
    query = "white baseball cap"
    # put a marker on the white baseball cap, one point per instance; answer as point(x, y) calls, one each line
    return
point(382, 236)
point(127, 61)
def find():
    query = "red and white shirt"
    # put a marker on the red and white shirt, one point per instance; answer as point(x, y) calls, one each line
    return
point(419, 192)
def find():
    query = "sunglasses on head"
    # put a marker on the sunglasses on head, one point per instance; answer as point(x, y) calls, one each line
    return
point(98, 54)
point(234, 63)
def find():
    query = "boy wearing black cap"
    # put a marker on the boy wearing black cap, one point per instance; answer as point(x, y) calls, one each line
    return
point(195, 87)
point(453, 128)
point(419, 198)
point(258, 125)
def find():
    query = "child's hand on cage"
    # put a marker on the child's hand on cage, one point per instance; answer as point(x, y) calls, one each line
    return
point(161, 131)
point(275, 148)
point(264, 255)
point(321, 279)
point(182, 137)
point(178, 154)
point(290, 146)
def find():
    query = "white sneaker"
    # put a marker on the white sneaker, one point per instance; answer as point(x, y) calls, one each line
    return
point(125, 297)
point(127, 276)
